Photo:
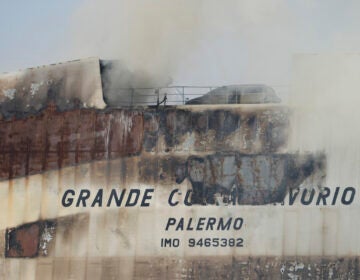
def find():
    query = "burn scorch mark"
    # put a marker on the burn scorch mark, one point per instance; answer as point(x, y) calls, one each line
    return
point(37, 239)
point(29, 240)
point(234, 177)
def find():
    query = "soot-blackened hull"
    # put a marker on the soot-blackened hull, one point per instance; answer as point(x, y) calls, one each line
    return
point(237, 153)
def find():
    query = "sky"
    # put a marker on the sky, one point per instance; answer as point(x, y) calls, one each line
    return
point(33, 32)
point(195, 42)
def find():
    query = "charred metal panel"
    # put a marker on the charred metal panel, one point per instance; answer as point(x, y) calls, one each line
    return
point(256, 130)
point(39, 239)
point(69, 85)
point(53, 139)
point(233, 153)
point(29, 240)
point(247, 179)
point(67, 138)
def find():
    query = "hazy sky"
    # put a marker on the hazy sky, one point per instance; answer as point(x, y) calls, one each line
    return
point(194, 42)
point(32, 32)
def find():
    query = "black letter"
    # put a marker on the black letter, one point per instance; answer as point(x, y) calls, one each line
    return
point(171, 222)
point(84, 195)
point(200, 224)
point(303, 196)
point(67, 202)
point(137, 193)
point(335, 196)
point(223, 226)
point(187, 201)
point(171, 196)
point(118, 200)
point(240, 225)
point(189, 225)
point(180, 225)
point(210, 223)
point(293, 197)
point(98, 198)
point(146, 196)
point(343, 198)
point(323, 196)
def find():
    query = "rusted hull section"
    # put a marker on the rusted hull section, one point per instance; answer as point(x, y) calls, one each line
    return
point(29, 240)
point(212, 164)
point(243, 167)
point(53, 140)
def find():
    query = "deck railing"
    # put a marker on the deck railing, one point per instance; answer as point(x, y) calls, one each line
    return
point(172, 95)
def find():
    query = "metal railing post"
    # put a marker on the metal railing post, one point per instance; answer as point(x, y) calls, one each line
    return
point(183, 95)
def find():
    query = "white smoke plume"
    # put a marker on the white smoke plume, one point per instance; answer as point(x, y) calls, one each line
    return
point(325, 99)
point(194, 42)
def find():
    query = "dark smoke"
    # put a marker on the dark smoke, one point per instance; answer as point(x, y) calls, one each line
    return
point(123, 87)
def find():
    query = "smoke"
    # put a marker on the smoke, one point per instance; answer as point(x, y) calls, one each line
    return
point(193, 42)
point(123, 87)
point(325, 102)
point(198, 42)
point(146, 36)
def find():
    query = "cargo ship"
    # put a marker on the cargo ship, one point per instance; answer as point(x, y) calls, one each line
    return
point(101, 181)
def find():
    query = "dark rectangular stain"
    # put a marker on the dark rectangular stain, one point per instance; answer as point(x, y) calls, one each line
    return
point(29, 240)
point(255, 179)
